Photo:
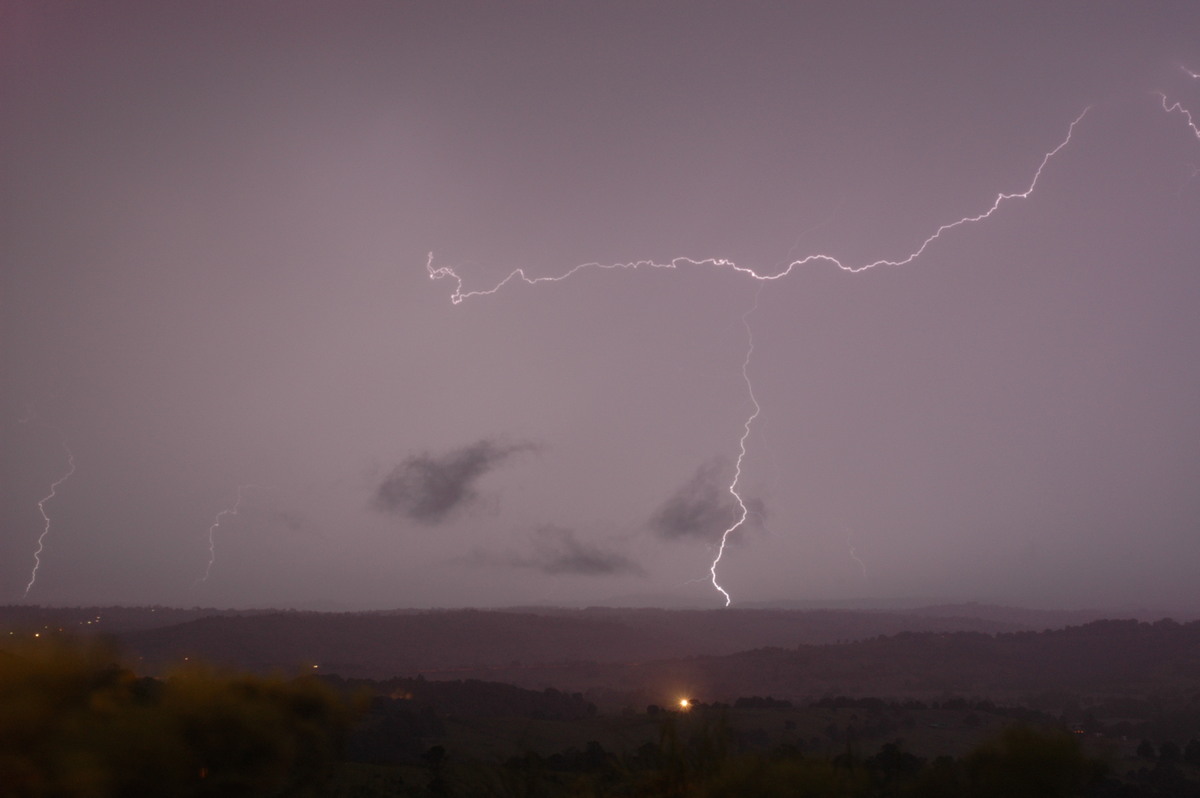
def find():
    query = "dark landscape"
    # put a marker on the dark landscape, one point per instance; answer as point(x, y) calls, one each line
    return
point(588, 702)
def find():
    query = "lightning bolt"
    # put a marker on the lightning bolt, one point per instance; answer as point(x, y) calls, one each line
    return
point(854, 551)
point(1177, 108)
point(460, 294)
point(861, 564)
point(212, 531)
point(737, 471)
point(54, 486)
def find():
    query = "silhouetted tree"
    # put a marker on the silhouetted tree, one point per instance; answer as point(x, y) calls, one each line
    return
point(76, 723)
point(1191, 752)
point(1031, 763)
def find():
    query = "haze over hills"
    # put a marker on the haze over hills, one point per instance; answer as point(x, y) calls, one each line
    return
point(600, 648)
point(718, 624)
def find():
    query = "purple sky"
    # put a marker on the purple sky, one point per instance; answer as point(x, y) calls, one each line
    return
point(213, 242)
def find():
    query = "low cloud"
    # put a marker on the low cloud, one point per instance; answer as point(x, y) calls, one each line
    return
point(558, 551)
point(703, 508)
point(428, 488)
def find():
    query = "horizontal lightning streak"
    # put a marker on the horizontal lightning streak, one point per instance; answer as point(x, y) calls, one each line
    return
point(459, 294)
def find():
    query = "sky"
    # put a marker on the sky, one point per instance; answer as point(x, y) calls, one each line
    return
point(220, 222)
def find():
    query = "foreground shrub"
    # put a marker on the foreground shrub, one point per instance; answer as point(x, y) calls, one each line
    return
point(76, 723)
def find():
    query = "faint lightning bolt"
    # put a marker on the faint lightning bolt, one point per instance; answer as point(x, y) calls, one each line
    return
point(212, 531)
point(854, 551)
point(460, 294)
point(41, 541)
point(1177, 108)
point(861, 564)
point(737, 471)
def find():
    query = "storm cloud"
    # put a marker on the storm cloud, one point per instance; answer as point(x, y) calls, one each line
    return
point(557, 551)
point(702, 507)
point(427, 488)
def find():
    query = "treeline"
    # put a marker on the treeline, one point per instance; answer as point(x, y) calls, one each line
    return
point(74, 722)
point(403, 719)
point(697, 756)
point(472, 697)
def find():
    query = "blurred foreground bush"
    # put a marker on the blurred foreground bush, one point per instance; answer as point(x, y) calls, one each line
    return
point(73, 722)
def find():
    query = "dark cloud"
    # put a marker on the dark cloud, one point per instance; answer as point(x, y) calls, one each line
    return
point(558, 551)
point(428, 488)
point(703, 507)
point(296, 522)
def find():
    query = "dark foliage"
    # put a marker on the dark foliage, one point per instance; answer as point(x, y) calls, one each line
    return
point(76, 723)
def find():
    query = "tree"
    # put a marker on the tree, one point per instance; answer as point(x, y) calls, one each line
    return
point(1169, 752)
point(1031, 763)
point(1191, 752)
point(76, 723)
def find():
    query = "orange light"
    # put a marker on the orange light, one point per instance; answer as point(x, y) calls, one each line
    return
point(685, 704)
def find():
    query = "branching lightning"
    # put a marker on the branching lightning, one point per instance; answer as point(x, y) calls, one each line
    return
point(54, 486)
point(459, 294)
point(212, 531)
point(519, 274)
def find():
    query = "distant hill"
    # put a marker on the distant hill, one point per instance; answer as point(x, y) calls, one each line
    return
point(612, 654)
point(443, 642)
point(104, 620)
point(383, 645)
point(1122, 658)
point(1102, 658)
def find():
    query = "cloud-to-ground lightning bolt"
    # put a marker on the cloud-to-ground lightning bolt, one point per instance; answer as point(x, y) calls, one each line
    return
point(212, 531)
point(848, 534)
point(54, 486)
point(459, 295)
point(737, 469)
point(857, 559)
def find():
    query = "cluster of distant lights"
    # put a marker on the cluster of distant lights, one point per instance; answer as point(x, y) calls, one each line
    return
point(519, 274)
point(51, 629)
